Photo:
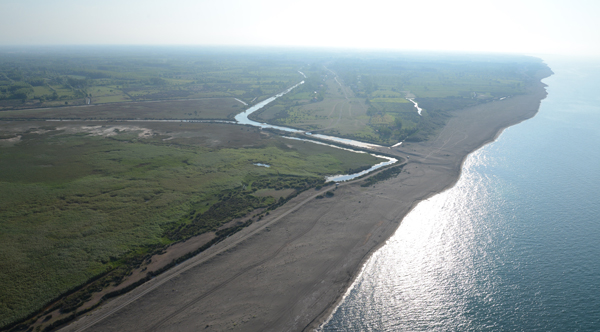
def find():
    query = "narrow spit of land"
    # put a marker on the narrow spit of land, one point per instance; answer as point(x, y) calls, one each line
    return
point(287, 272)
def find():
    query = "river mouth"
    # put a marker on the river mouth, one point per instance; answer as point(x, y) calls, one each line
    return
point(347, 177)
point(242, 118)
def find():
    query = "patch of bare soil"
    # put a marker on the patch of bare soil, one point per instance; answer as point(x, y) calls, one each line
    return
point(106, 130)
point(10, 141)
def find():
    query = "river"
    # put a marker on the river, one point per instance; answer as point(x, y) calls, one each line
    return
point(242, 118)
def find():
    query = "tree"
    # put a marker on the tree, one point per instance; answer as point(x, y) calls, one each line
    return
point(398, 123)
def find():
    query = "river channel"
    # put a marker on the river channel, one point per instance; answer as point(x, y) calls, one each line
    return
point(242, 118)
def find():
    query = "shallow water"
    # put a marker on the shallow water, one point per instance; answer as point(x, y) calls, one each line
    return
point(514, 246)
point(347, 177)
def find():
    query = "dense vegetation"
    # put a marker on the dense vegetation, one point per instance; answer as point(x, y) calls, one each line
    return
point(82, 204)
point(365, 96)
point(38, 77)
point(439, 83)
point(361, 96)
point(75, 204)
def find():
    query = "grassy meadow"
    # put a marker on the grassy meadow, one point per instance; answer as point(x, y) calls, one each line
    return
point(85, 201)
point(77, 198)
point(196, 109)
point(33, 79)
point(364, 96)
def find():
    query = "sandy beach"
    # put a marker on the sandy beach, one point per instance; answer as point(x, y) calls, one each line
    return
point(288, 271)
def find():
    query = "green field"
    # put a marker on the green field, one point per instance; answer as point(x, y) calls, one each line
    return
point(364, 96)
point(95, 196)
point(39, 80)
point(389, 100)
point(41, 90)
point(207, 108)
point(77, 198)
point(337, 112)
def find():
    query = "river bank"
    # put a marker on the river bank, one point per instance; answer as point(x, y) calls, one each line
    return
point(287, 272)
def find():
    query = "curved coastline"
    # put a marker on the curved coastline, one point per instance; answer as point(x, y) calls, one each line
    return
point(301, 260)
point(537, 92)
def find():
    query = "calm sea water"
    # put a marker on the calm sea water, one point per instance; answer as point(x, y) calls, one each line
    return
point(515, 245)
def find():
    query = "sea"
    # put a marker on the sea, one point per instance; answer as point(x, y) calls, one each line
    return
point(514, 245)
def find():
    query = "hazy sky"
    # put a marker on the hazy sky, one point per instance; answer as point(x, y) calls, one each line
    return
point(521, 26)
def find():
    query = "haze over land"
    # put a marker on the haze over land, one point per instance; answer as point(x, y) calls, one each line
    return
point(122, 164)
point(507, 26)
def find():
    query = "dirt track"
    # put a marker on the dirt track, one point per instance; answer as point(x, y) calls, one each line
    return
point(286, 272)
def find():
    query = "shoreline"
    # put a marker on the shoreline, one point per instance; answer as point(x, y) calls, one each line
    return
point(326, 315)
point(291, 271)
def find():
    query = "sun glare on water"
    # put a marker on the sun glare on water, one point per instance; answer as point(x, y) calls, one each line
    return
point(424, 276)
